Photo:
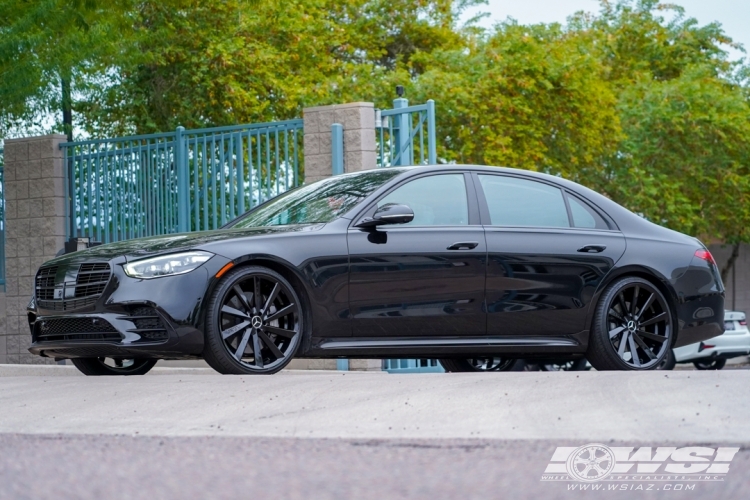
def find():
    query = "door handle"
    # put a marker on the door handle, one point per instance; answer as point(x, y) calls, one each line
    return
point(593, 248)
point(468, 245)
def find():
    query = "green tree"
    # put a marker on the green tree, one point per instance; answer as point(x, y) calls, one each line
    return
point(685, 151)
point(49, 49)
point(198, 63)
point(531, 97)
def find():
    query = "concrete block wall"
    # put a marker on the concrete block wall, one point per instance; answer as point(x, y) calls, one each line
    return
point(358, 120)
point(34, 232)
point(737, 284)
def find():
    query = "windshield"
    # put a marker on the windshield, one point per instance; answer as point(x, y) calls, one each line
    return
point(316, 203)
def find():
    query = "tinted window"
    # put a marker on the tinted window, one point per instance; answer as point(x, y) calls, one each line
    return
point(437, 200)
point(319, 202)
point(521, 202)
point(584, 216)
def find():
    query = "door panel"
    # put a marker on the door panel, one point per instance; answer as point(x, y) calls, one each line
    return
point(547, 253)
point(426, 277)
point(405, 282)
point(537, 281)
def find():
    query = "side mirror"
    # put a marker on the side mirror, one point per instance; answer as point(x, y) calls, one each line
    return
point(390, 213)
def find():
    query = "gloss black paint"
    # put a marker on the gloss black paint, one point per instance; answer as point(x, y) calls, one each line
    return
point(398, 291)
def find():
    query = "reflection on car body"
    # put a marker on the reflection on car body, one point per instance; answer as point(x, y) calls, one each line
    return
point(472, 265)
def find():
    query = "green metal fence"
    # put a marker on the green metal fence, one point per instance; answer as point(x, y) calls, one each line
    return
point(195, 180)
point(406, 133)
point(412, 366)
point(186, 180)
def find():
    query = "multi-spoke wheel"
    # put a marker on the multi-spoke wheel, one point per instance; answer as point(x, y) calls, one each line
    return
point(710, 364)
point(254, 322)
point(632, 328)
point(113, 366)
point(573, 365)
point(492, 364)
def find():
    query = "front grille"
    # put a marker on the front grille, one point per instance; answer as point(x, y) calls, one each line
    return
point(66, 305)
point(45, 283)
point(91, 279)
point(90, 282)
point(148, 323)
point(86, 329)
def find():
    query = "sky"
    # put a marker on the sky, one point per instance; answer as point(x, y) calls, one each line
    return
point(734, 15)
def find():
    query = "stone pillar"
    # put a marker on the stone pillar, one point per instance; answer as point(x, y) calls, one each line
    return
point(358, 119)
point(34, 230)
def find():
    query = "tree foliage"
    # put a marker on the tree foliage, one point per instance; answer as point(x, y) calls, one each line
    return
point(638, 101)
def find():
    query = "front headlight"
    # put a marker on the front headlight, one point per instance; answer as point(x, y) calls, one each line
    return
point(166, 265)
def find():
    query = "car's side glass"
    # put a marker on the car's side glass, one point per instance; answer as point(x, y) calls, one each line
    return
point(322, 201)
point(437, 200)
point(522, 202)
point(584, 216)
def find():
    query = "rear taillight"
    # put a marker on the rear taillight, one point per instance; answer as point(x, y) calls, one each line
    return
point(702, 346)
point(705, 255)
point(743, 322)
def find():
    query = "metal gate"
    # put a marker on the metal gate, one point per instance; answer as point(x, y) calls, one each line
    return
point(186, 180)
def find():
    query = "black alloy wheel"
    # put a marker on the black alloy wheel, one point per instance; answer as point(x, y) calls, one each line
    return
point(254, 323)
point(710, 364)
point(564, 366)
point(632, 329)
point(113, 366)
point(491, 364)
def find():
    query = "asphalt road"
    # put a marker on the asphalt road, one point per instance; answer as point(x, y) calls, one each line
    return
point(353, 435)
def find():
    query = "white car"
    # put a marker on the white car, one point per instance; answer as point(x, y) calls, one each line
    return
point(713, 354)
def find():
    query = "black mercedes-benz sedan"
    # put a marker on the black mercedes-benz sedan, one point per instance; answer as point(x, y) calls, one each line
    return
point(475, 266)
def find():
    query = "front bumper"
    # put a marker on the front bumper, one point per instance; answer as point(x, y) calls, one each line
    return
point(154, 318)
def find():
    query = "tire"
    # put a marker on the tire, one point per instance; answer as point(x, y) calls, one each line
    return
point(575, 365)
point(632, 327)
point(109, 366)
point(493, 364)
point(669, 361)
point(253, 308)
point(714, 364)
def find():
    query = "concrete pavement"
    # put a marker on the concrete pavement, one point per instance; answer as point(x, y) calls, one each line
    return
point(89, 467)
point(684, 406)
point(342, 435)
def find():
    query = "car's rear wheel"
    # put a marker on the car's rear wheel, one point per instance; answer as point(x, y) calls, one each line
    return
point(632, 327)
point(491, 364)
point(112, 366)
point(711, 364)
point(254, 322)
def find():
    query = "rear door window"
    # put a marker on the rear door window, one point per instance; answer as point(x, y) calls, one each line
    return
point(522, 202)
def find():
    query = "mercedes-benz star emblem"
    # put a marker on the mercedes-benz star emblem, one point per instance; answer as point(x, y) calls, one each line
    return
point(256, 322)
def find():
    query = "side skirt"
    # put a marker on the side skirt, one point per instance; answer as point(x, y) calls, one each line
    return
point(396, 347)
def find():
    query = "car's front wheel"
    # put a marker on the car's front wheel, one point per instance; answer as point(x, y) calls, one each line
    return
point(481, 365)
point(254, 322)
point(111, 366)
point(710, 364)
point(632, 327)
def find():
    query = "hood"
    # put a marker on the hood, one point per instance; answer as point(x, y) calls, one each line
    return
point(154, 245)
